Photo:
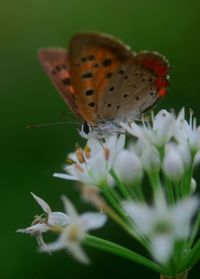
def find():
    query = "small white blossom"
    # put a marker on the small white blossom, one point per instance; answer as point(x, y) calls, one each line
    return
point(128, 167)
point(158, 134)
point(73, 234)
point(162, 224)
point(96, 163)
point(185, 132)
point(185, 154)
point(44, 223)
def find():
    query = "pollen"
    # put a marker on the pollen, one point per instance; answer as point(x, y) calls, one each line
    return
point(74, 233)
point(69, 161)
point(80, 155)
point(87, 152)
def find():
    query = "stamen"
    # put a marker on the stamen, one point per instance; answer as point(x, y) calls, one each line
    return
point(74, 233)
point(69, 161)
point(194, 123)
point(191, 115)
point(143, 121)
point(87, 151)
point(106, 153)
point(80, 155)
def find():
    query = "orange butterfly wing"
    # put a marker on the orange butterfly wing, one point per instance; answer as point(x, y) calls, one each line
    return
point(93, 58)
point(55, 62)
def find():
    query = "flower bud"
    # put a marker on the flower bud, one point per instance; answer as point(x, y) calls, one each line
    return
point(151, 160)
point(197, 159)
point(163, 127)
point(184, 152)
point(193, 185)
point(194, 140)
point(173, 166)
point(128, 167)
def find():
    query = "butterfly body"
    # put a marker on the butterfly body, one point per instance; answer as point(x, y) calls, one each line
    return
point(104, 82)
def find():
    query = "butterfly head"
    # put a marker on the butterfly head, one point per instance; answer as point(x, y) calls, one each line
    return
point(101, 131)
point(85, 130)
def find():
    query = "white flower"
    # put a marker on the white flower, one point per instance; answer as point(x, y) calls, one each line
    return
point(128, 167)
point(173, 164)
point(92, 166)
point(44, 223)
point(185, 132)
point(158, 134)
point(151, 159)
point(162, 224)
point(49, 221)
point(73, 234)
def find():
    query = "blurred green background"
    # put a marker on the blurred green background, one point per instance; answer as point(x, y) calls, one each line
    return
point(30, 157)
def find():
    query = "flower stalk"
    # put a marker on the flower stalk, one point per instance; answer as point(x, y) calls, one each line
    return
point(183, 275)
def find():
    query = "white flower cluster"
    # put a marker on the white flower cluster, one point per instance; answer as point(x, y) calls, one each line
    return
point(164, 152)
point(168, 146)
point(174, 138)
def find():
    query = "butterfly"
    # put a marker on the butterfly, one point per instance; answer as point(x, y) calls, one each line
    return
point(105, 83)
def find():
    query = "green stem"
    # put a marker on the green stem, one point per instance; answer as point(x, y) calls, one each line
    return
point(186, 187)
point(170, 192)
point(114, 201)
point(120, 185)
point(194, 231)
point(138, 192)
point(121, 251)
point(156, 185)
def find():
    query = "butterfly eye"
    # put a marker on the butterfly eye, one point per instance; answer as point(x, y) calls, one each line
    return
point(86, 128)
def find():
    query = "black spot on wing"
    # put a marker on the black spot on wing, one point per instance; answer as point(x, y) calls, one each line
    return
point(87, 75)
point(92, 104)
point(89, 92)
point(107, 62)
point(66, 81)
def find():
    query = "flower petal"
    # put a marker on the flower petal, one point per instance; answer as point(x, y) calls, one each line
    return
point(58, 219)
point(35, 229)
point(41, 243)
point(69, 208)
point(78, 253)
point(182, 214)
point(65, 176)
point(162, 247)
point(54, 246)
point(91, 221)
point(46, 208)
point(141, 215)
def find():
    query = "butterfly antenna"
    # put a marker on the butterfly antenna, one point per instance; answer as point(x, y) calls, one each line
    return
point(51, 124)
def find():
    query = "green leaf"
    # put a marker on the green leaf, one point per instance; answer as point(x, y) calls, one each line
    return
point(121, 251)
